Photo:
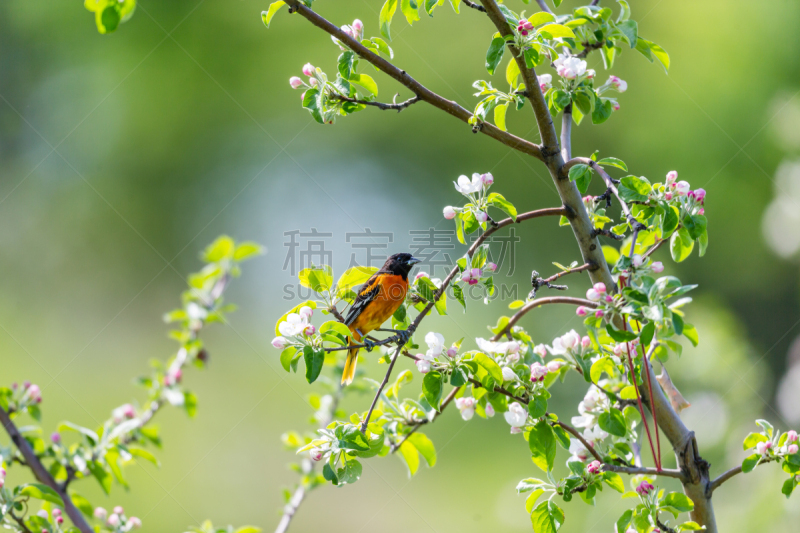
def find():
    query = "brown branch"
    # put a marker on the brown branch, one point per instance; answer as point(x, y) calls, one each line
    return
point(473, 5)
point(380, 105)
point(538, 303)
point(422, 92)
point(421, 422)
point(42, 474)
point(566, 133)
point(544, 7)
point(380, 389)
point(610, 184)
point(714, 485)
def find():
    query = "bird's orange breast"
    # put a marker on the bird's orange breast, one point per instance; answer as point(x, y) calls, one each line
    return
point(391, 295)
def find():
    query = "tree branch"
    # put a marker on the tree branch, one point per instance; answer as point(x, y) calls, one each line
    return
point(421, 422)
point(422, 92)
point(473, 5)
point(42, 474)
point(543, 5)
point(538, 303)
point(714, 485)
point(380, 105)
point(566, 133)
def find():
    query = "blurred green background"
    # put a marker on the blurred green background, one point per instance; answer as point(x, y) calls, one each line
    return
point(123, 155)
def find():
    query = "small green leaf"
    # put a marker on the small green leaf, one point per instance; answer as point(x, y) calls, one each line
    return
point(41, 492)
point(613, 162)
point(679, 501)
point(432, 388)
point(313, 360)
point(387, 12)
point(613, 422)
point(273, 8)
point(557, 30)
point(495, 53)
point(681, 245)
point(542, 443)
point(424, 446)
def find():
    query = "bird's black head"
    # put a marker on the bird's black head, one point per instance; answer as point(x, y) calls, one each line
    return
point(400, 264)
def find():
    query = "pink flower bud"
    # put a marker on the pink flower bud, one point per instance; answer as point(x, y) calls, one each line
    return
point(119, 510)
point(113, 520)
point(489, 410)
point(487, 179)
point(657, 267)
point(56, 512)
point(791, 436)
point(358, 25)
point(308, 69)
point(100, 513)
point(700, 195)
point(508, 374)
point(310, 330)
point(26, 384)
point(128, 411)
point(296, 82)
point(644, 488)
point(59, 520)
point(608, 298)
point(615, 106)
point(314, 82)
point(586, 341)
point(134, 522)
point(42, 514)
point(540, 350)
point(280, 342)
point(481, 216)
point(792, 449)
point(420, 275)
point(306, 312)
point(513, 347)
point(476, 274)
point(538, 372)
point(594, 467)
point(423, 366)
point(554, 366)
point(449, 212)
point(672, 175)
point(515, 430)
point(701, 211)
point(582, 311)
point(55, 438)
point(763, 447)
point(668, 196)
point(682, 187)
point(600, 287)
point(466, 276)
point(590, 73)
point(490, 267)
point(452, 351)
point(637, 260)
point(593, 295)
point(598, 313)
point(315, 454)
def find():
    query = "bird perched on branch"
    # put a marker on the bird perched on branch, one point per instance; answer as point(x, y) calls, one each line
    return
point(377, 300)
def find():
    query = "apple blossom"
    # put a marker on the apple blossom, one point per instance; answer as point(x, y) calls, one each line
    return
point(515, 430)
point(293, 325)
point(637, 260)
point(644, 488)
point(466, 406)
point(615, 106)
point(582, 311)
point(599, 313)
point(435, 342)
point(657, 267)
point(570, 67)
point(600, 287)
point(308, 69)
point(594, 467)
point(682, 187)
point(421, 275)
point(452, 351)
point(315, 454)
point(449, 212)
point(700, 195)
point(481, 216)
point(423, 365)
point(487, 179)
point(791, 436)
point(516, 416)
point(619, 84)
point(55, 438)
point(672, 175)
point(668, 196)
point(280, 342)
point(113, 520)
point(309, 330)
point(296, 82)
point(763, 448)
point(593, 295)
point(590, 74)
point(540, 350)
point(554, 366)
point(134, 522)
point(467, 187)
point(490, 267)
point(119, 510)
point(489, 410)
point(701, 211)
point(538, 372)
point(100, 513)
point(792, 449)
point(508, 374)
point(586, 341)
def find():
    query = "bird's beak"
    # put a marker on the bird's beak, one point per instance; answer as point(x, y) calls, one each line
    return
point(413, 261)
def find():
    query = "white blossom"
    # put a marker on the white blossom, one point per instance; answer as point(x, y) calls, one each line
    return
point(465, 186)
point(516, 415)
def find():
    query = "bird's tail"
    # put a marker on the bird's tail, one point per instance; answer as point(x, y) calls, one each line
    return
point(352, 358)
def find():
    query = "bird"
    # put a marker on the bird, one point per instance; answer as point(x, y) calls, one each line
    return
point(377, 300)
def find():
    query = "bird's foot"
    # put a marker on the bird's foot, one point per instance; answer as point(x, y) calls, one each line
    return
point(368, 345)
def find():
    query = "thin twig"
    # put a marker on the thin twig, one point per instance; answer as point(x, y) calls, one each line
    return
point(380, 389)
point(473, 5)
point(380, 105)
point(416, 424)
point(544, 7)
point(538, 303)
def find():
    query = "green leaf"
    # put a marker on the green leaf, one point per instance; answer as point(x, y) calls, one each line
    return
point(652, 51)
point(500, 116)
point(633, 189)
point(103, 477)
point(613, 422)
point(499, 201)
point(350, 472)
point(273, 8)
point(432, 388)
point(618, 335)
point(495, 53)
point(557, 30)
point(614, 481)
point(750, 463)
point(512, 72)
point(690, 332)
point(287, 356)
point(41, 492)
point(313, 360)
point(602, 110)
point(679, 501)
point(695, 225)
point(541, 519)
point(670, 221)
point(318, 279)
point(542, 443)
point(383, 47)
point(410, 10)
point(752, 439)
point(681, 245)
point(335, 326)
point(532, 498)
point(614, 162)
point(144, 454)
point(410, 454)
point(424, 446)
point(69, 426)
point(190, 403)
point(387, 12)
point(630, 29)
point(365, 82)
point(577, 171)
point(246, 250)
point(604, 364)
point(542, 17)
point(490, 365)
point(537, 406)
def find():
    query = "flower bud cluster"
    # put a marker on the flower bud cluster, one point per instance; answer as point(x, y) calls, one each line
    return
point(475, 190)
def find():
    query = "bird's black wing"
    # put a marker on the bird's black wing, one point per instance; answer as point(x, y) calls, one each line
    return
point(367, 293)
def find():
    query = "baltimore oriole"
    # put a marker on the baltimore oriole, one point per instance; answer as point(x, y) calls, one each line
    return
point(377, 300)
